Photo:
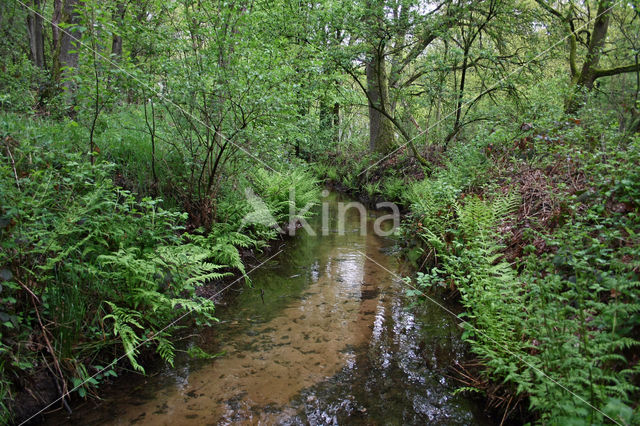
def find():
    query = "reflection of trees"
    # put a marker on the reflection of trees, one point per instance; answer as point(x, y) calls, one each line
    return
point(374, 279)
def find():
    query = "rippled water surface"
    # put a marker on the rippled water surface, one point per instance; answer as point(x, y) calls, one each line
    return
point(323, 337)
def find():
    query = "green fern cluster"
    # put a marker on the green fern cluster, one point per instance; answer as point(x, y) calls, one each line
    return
point(433, 201)
point(539, 329)
point(104, 269)
point(372, 189)
point(393, 188)
point(562, 328)
point(289, 191)
point(223, 243)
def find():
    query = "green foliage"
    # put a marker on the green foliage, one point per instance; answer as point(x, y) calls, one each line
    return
point(393, 187)
point(560, 328)
point(372, 189)
point(332, 173)
point(196, 352)
point(433, 201)
point(282, 194)
point(84, 383)
point(16, 77)
point(588, 289)
point(292, 191)
point(100, 267)
point(124, 321)
point(222, 245)
point(20, 79)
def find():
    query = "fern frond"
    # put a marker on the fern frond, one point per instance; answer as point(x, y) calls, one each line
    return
point(123, 320)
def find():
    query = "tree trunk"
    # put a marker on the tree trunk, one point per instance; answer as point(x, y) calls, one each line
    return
point(303, 109)
point(65, 41)
point(325, 114)
point(118, 19)
point(330, 120)
point(598, 37)
point(463, 77)
point(36, 35)
point(587, 76)
point(381, 135)
point(336, 122)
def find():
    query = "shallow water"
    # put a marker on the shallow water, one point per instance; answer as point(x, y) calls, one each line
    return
point(323, 337)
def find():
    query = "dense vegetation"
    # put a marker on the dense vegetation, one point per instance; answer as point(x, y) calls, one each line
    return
point(506, 129)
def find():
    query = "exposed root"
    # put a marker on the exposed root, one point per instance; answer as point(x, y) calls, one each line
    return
point(501, 399)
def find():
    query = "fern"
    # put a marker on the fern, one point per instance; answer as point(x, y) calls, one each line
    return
point(393, 188)
point(478, 219)
point(276, 190)
point(523, 315)
point(123, 322)
point(372, 189)
point(165, 349)
point(220, 248)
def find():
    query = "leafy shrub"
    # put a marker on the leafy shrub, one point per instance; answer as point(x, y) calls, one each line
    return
point(17, 83)
point(466, 167)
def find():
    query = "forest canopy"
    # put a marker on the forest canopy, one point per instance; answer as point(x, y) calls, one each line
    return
point(506, 129)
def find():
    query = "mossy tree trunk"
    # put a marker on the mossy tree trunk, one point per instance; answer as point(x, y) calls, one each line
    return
point(583, 78)
point(381, 133)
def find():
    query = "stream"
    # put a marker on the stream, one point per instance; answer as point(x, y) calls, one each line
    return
point(324, 336)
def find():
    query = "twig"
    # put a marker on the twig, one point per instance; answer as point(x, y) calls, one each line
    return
point(13, 165)
point(28, 290)
point(506, 410)
point(55, 380)
point(64, 391)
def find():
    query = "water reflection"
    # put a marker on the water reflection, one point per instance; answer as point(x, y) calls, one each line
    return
point(332, 342)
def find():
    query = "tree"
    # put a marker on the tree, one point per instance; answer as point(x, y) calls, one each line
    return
point(35, 28)
point(592, 37)
point(65, 40)
point(381, 130)
point(118, 20)
point(386, 39)
point(470, 27)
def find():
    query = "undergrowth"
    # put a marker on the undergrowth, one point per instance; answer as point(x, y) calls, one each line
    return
point(86, 266)
point(91, 272)
point(558, 325)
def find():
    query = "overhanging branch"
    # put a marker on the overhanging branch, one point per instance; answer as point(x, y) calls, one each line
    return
point(393, 120)
point(617, 70)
